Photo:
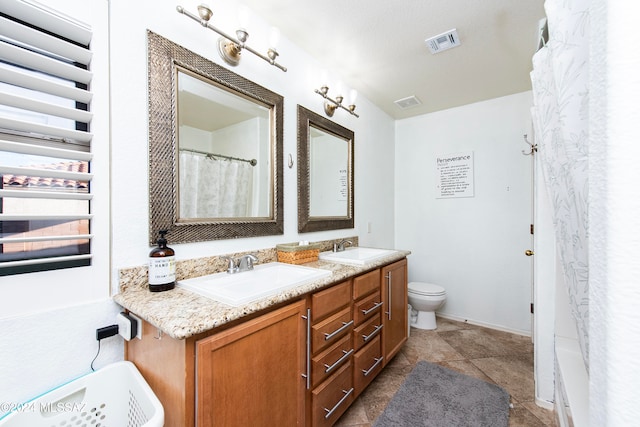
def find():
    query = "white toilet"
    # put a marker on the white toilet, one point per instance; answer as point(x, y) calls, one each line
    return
point(425, 298)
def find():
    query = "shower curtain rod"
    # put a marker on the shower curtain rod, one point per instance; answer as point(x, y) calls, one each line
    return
point(252, 162)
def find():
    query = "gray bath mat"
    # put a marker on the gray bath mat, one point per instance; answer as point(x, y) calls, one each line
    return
point(435, 396)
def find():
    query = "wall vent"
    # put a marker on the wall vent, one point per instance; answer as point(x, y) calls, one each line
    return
point(408, 102)
point(443, 41)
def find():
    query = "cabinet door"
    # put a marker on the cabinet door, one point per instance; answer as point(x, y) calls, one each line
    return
point(395, 317)
point(251, 375)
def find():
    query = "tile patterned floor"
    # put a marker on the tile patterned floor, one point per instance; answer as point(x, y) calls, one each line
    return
point(494, 356)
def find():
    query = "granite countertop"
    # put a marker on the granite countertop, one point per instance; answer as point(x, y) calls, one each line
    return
point(181, 313)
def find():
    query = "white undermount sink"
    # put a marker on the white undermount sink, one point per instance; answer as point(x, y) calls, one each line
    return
point(248, 286)
point(356, 255)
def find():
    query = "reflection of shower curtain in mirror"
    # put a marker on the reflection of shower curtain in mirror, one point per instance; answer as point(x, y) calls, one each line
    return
point(214, 188)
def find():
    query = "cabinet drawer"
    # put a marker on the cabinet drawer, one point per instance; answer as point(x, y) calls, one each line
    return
point(328, 362)
point(367, 307)
point(365, 284)
point(330, 300)
point(367, 363)
point(330, 330)
point(332, 398)
point(366, 332)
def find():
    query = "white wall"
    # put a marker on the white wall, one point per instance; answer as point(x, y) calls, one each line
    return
point(473, 247)
point(48, 320)
point(614, 202)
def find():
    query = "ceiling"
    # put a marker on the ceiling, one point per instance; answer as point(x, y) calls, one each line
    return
point(378, 47)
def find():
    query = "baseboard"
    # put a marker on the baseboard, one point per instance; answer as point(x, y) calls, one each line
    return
point(484, 324)
point(545, 404)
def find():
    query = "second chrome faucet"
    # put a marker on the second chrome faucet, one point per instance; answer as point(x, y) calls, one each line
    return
point(339, 247)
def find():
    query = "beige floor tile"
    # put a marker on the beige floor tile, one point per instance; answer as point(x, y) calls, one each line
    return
point(546, 416)
point(519, 416)
point(467, 368)
point(429, 346)
point(513, 373)
point(483, 342)
point(356, 415)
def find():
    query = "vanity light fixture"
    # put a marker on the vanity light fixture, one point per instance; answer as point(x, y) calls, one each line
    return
point(330, 105)
point(230, 48)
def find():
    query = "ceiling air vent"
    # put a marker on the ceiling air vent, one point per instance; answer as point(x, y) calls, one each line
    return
point(443, 41)
point(408, 102)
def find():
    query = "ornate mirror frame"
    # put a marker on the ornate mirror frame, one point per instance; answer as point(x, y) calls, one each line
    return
point(307, 223)
point(163, 57)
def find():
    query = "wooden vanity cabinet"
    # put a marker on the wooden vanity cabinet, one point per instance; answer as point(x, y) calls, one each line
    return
point(394, 289)
point(332, 351)
point(255, 373)
point(249, 374)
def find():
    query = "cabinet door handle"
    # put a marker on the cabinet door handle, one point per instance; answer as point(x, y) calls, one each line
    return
point(378, 360)
point(366, 338)
point(307, 375)
point(372, 309)
point(344, 326)
point(337, 363)
point(388, 313)
point(332, 410)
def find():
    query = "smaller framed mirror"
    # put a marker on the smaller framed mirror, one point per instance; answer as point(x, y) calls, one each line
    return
point(325, 173)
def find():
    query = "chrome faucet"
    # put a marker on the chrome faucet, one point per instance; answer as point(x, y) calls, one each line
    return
point(233, 265)
point(339, 247)
point(244, 263)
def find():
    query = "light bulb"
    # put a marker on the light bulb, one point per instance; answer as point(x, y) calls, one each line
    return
point(353, 95)
point(243, 16)
point(324, 76)
point(274, 37)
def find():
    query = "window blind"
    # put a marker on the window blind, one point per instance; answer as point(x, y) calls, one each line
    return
point(45, 139)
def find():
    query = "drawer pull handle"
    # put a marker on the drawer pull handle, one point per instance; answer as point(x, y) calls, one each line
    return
point(389, 305)
point(307, 374)
point(332, 410)
point(372, 309)
point(378, 360)
point(366, 338)
point(344, 357)
point(344, 326)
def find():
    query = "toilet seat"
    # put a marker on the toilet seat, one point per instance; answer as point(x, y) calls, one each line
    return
point(427, 289)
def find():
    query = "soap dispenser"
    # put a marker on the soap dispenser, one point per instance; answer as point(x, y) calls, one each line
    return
point(162, 266)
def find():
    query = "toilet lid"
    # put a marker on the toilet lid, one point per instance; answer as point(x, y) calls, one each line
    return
point(425, 288)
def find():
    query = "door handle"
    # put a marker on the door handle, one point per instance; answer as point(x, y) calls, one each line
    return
point(528, 252)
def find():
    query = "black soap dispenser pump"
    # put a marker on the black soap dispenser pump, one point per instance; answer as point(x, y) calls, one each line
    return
point(162, 266)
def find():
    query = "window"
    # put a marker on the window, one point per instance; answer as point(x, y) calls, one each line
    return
point(45, 140)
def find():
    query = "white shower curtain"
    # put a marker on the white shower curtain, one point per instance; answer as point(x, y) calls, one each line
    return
point(214, 188)
point(560, 115)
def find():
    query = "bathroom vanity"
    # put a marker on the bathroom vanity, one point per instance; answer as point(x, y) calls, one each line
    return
point(300, 358)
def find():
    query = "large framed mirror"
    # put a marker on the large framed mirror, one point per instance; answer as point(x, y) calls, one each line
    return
point(215, 149)
point(325, 173)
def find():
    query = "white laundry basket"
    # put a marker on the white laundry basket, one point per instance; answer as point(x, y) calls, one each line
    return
point(115, 396)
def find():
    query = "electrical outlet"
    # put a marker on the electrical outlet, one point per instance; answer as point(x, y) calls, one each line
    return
point(127, 326)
